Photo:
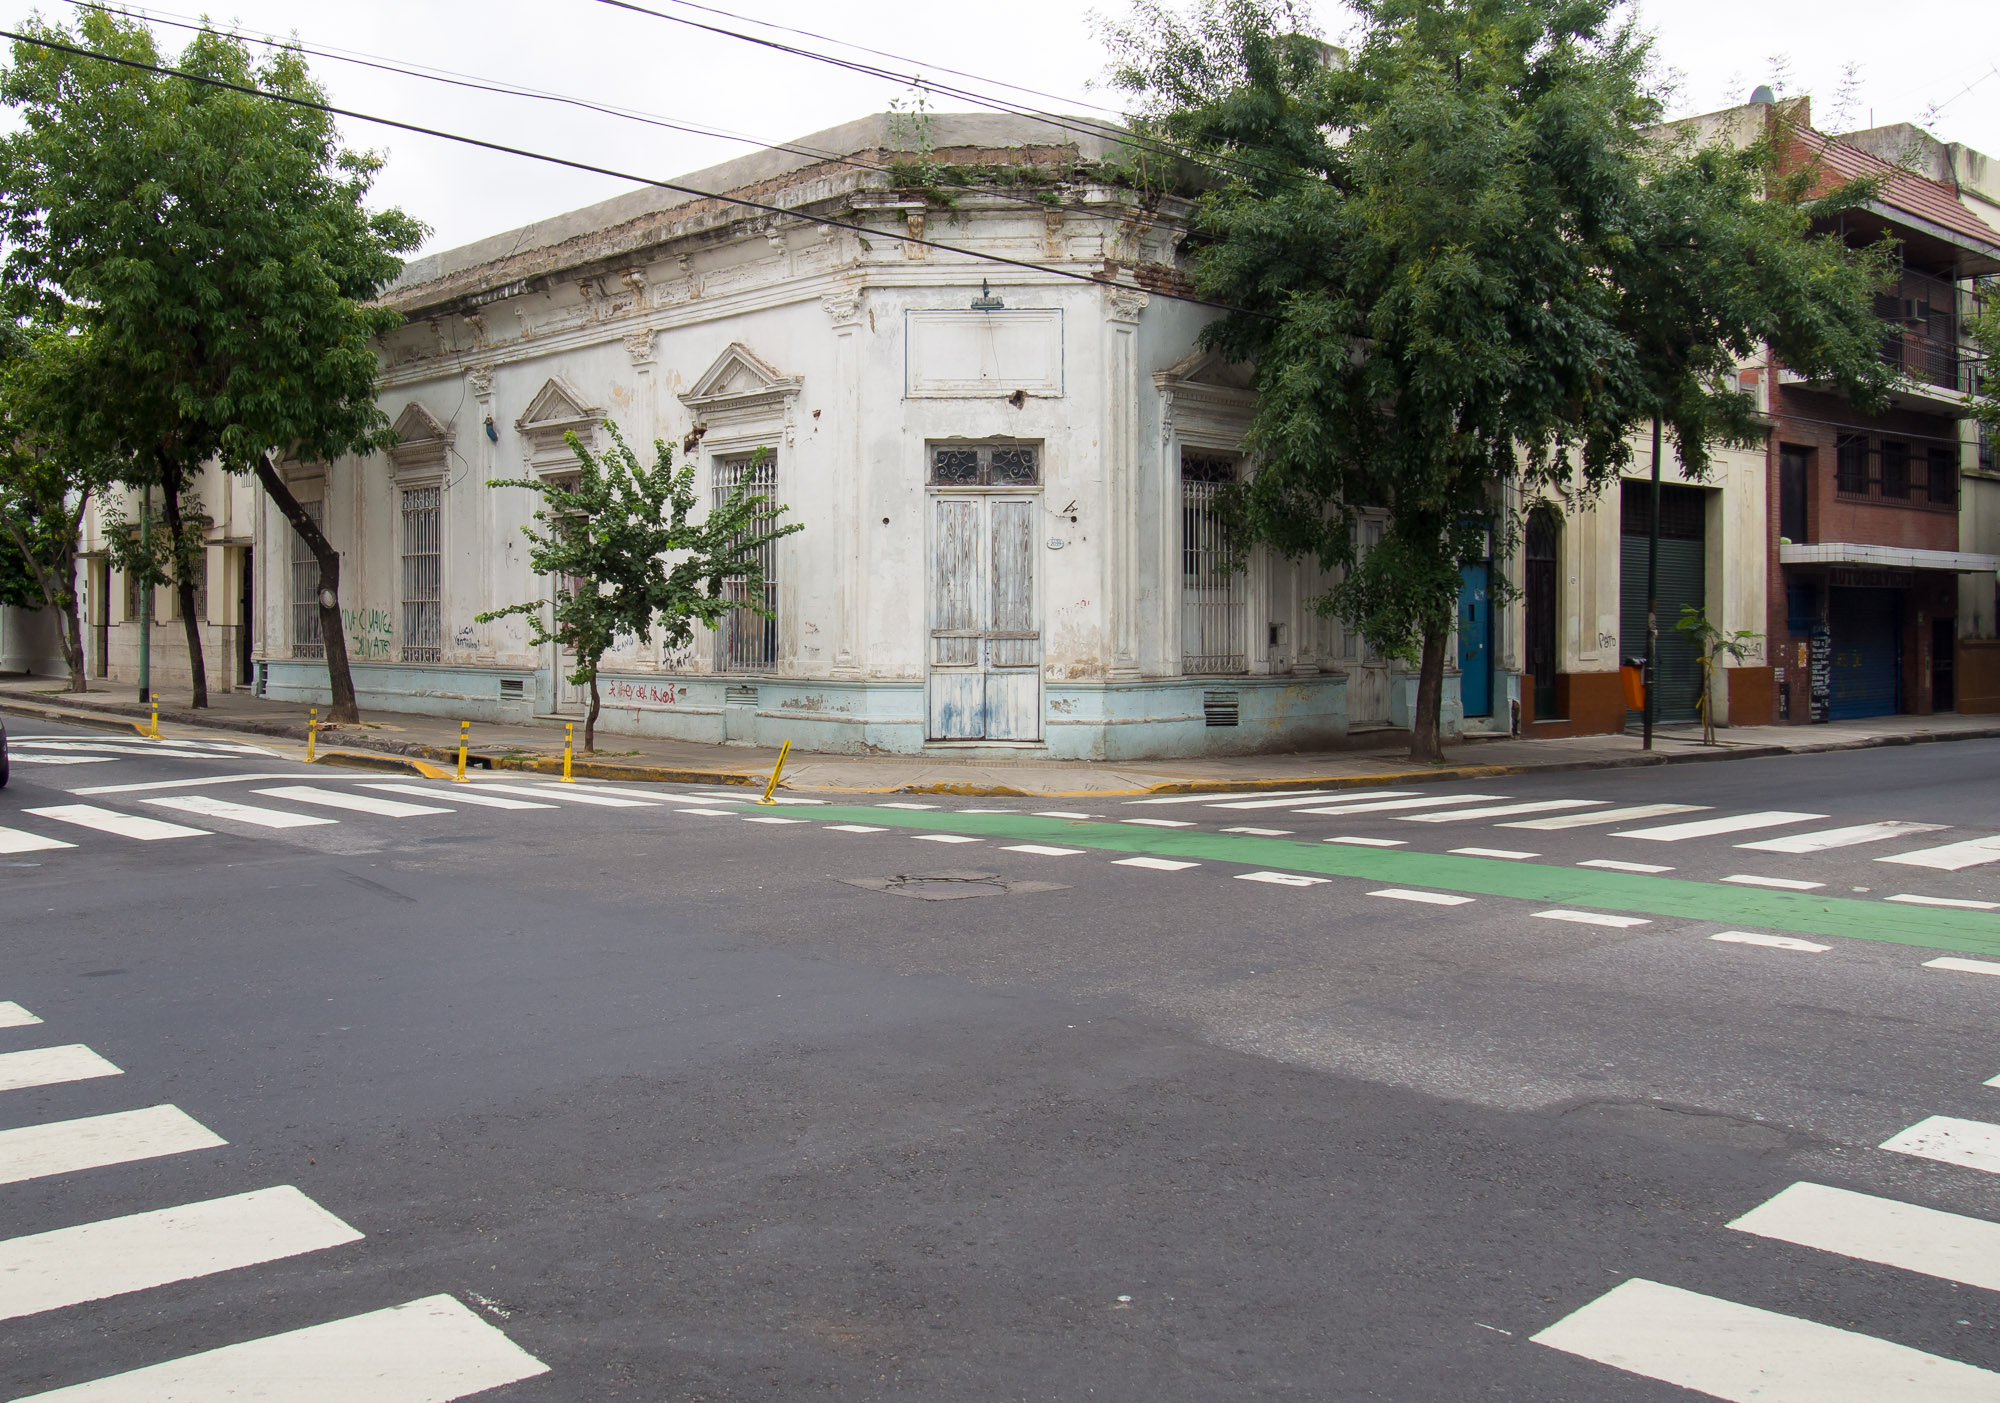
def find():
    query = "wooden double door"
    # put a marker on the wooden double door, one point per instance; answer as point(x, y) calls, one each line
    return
point(985, 665)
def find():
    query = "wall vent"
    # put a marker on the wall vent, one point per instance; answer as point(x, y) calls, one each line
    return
point(739, 696)
point(513, 689)
point(1219, 708)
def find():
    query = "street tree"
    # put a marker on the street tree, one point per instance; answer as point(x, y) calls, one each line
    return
point(53, 463)
point(627, 560)
point(217, 246)
point(1429, 242)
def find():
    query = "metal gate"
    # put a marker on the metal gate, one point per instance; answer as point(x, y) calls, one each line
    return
point(985, 678)
point(1683, 583)
point(1867, 671)
point(1215, 612)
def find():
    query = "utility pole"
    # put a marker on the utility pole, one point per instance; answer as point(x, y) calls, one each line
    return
point(1652, 594)
point(146, 595)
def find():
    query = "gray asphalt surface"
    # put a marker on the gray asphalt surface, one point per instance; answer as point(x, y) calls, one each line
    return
point(686, 1115)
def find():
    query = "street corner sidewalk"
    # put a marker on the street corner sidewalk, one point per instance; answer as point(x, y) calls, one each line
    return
point(426, 744)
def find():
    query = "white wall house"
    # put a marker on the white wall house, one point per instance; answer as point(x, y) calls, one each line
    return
point(1004, 475)
point(1002, 472)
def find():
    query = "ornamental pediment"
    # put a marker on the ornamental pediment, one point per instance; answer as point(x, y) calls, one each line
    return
point(421, 441)
point(559, 406)
point(740, 382)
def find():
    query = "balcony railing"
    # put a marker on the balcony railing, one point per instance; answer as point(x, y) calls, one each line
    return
point(1923, 314)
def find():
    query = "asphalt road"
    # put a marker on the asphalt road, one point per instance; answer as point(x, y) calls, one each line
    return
point(660, 1099)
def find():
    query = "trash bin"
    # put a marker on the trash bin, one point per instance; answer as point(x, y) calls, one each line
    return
point(1633, 675)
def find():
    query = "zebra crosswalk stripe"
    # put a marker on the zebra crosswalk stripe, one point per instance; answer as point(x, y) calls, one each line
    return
point(65, 1146)
point(1747, 1355)
point(1949, 1246)
point(228, 809)
point(115, 1256)
point(146, 830)
point(1952, 857)
point(432, 1350)
point(13, 840)
point(354, 803)
point(1712, 827)
point(465, 795)
point(1597, 816)
point(49, 1066)
point(1848, 837)
point(1971, 1143)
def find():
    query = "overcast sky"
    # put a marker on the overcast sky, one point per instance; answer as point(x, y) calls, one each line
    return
point(1918, 57)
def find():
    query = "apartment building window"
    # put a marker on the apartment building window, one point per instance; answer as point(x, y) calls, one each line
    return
point(747, 642)
point(1986, 447)
point(1214, 604)
point(198, 577)
point(1850, 464)
point(307, 641)
point(1941, 485)
point(1896, 471)
point(423, 576)
point(1794, 492)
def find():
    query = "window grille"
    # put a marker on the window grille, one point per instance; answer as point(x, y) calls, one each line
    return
point(423, 576)
point(746, 642)
point(1850, 464)
point(1896, 472)
point(131, 596)
point(307, 641)
point(986, 465)
point(1214, 610)
point(1941, 483)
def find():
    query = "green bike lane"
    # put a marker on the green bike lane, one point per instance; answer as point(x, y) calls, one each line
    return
point(1792, 913)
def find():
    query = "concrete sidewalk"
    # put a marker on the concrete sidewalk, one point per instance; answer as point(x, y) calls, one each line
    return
point(538, 747)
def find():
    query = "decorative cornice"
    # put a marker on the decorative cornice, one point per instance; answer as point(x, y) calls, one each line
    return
point(1124, 304)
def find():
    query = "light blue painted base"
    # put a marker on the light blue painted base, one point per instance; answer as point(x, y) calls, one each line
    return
point(1139, 720)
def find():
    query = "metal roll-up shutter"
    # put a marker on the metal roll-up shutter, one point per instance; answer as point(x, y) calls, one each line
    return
point(1683, 575)
point(1867, 671)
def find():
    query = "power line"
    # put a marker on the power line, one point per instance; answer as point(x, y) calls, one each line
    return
point(503, 89)
point(1082, 126)
point(589, 168)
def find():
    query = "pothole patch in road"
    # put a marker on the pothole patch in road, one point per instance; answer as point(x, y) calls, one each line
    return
point(1658, 1121)
point(956, 885)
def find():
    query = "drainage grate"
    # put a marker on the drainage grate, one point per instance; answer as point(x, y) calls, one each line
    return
point(739, 696)
point(513, 689)
point(1219, 708)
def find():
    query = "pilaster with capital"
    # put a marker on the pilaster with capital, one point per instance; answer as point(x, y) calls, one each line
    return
point(1122, 309)
point(843, 447)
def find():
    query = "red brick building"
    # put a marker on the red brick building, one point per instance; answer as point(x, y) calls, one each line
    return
point(1866, 559)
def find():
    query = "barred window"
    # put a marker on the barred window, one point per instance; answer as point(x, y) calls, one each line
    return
point(198, 573)
point(1850, 464)
point(1896, 471)
point(1215, 627)
point(1941, 485)
point(986, 465)
point(747, 642)
point(307, 641)
point(423, 576)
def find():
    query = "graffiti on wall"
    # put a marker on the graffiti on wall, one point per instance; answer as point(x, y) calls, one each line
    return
point(368, 632)
point(641, 693)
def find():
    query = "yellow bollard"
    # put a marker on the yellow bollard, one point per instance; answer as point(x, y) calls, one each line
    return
point(156, 716)
point(569, 741)
point(776, 770)
point(312, 734)
point(464, 739)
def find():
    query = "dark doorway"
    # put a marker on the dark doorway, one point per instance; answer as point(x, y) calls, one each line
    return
point(1944, 664)
point(1794, 475)
point(245, 646)
point(1683, 585)
point(1538, 587)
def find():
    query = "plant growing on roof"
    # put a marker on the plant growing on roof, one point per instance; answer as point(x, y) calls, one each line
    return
point(628, 561)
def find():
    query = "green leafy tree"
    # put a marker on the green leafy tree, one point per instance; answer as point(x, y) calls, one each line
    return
point(628, 561)
point(217, 246)
point(1438, 244)
point(53, 461)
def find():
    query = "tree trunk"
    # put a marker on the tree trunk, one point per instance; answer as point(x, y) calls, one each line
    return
point(170, 507)
point(339, 679)
point(1426, 740)
point(72, 636)
point(590, 720)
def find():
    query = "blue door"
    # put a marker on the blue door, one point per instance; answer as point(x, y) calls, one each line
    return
point(1475, 640)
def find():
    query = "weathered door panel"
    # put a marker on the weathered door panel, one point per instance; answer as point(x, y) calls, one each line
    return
point(1013, 642)
point(957, 677)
